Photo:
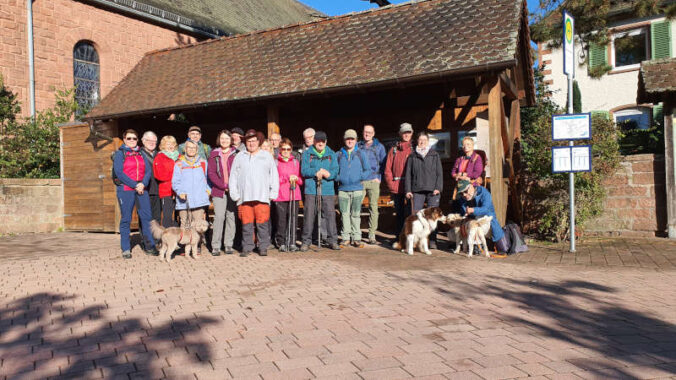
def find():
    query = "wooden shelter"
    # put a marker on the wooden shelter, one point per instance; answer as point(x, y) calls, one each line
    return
point(446, 66)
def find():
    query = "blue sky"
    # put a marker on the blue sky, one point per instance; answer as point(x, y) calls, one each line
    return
point(339, 7)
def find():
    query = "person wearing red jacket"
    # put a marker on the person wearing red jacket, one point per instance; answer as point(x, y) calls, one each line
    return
point(395, 165)
point(163, 170)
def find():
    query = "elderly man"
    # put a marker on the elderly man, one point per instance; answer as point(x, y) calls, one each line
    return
point(195, 135)
point(237, 134)
point(275, 140)
point(375, 155)
point(308, 140)
point(477, 202)
point(149, 151)
point(254, 183)
point(394, 173)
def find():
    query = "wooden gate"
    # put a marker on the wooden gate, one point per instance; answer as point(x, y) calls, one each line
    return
point(88, 193)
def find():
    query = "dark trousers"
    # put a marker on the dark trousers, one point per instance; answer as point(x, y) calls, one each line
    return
point(155, 207)
point(426, 197)
point(127, 200)
point(281, 214)
point(403, 209)
point(168, 207)
point(328, 218)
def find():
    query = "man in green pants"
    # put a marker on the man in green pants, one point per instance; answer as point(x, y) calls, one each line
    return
point(375, 154)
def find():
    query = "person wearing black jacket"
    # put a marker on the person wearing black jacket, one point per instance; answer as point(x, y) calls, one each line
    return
point(149, 151)
point(424, 178)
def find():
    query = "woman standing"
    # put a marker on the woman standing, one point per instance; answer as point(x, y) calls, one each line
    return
point(219, 165)
point(130, 169)
point(163, 168)
point(288, 168)
point(424, 178)
point(469, 166)
point(189, 182)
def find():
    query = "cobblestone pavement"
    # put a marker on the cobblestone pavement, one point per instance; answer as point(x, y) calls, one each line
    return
point(70, 306)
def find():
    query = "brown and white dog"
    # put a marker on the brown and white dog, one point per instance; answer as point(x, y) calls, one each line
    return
point(468, 232)
point(173, 236)
point(417, 229)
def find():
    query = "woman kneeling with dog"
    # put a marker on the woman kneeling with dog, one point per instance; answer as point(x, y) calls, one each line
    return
point(477, 202)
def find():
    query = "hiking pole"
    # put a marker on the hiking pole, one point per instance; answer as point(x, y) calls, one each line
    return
point(294, 209)
point(290, 211)
point(319, 214)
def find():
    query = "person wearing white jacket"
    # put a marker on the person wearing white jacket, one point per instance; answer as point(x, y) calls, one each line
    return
point(254, 183)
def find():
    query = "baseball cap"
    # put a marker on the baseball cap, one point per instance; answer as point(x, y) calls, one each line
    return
point(405, 127)
point(463, 185)
point(349, 134)
point(194, 128)
point(320, 136)
point(238, 130)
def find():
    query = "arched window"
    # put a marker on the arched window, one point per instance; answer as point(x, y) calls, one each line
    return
point(86, 74)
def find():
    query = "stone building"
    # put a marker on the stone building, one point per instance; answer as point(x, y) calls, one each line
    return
point(94, 43)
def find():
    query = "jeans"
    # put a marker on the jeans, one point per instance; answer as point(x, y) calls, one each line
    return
point(419, 200)
point(403, 209)
point(328, 218)
point(126, 200)
point(372, 190)
point(224, 216)
point(349, 204)
point(257, 213)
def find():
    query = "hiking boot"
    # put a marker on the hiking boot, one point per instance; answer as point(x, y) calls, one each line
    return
point(293, 248)
point(152, 252)
point(358, 244)
point(335, 246)
point(371, 241)
point(263, 252)
point(282, 248)
point(126, 254)
point(215, 252)
point(229, 251)
point(244, 254)
point(304, 247)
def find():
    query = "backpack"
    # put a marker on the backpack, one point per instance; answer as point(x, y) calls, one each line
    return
point(515, 239)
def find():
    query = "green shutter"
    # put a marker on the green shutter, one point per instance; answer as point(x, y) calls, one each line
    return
point(658, 114)
point(603, 114)
point(597, 56)
point(660, 39)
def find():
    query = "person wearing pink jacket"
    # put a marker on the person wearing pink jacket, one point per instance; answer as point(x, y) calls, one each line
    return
point(288, 168)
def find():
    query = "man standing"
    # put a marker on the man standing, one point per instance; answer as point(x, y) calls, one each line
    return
point(237, 134)
point(375, 155)
point(353, 170)
point(195, 135)
point(254, 183)
point(394, 173)
point(149, 151)
point(275, 140)
point(319, 166)
point(308, 140)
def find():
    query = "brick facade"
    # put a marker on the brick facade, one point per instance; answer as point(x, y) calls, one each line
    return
point(636, 202)
point(30, 205)
point(121, 41)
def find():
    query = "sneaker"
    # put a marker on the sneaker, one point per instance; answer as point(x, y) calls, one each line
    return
point(229, 251)
point(152, 252)
point(293, 248)
point(358, 244)
point(335, 246)
point(304, 247)
point(215, 252)
point(126, 254)
point(243, 254)
point(263, 252)
point(344, 243)
point(371, 241)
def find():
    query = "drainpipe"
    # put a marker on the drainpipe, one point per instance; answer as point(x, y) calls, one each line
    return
point(31, 60)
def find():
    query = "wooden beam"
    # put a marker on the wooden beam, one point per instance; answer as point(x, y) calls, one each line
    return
point(495, 121)
point(515, 160)
point(670, 164)
point(508, 86)
point(273, 119)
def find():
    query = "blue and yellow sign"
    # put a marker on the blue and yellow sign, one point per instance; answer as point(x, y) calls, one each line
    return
point(568, 44)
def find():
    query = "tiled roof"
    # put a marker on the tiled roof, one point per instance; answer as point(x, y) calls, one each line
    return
point(657, 79)
point(410, 41)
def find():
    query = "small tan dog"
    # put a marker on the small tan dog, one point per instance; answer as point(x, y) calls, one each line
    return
point(173, 236)
point(468, 232)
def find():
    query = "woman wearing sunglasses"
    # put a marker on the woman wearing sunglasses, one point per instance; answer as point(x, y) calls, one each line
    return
point(133, 175)
point(288, 168)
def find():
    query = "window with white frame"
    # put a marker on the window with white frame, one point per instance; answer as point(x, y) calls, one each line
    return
point(630, 47)
point(633, 118)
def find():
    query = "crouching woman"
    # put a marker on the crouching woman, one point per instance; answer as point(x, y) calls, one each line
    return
point(477, 202)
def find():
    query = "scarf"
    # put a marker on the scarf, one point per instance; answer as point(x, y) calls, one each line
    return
point(185, 159)
point(422, 151)
point(136, 149)
point(284, 159)
point(173, 154)
point(224, 161)
point(320, 155)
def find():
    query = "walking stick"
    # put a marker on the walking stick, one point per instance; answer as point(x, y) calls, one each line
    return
point(319, 214)
point(292, 188)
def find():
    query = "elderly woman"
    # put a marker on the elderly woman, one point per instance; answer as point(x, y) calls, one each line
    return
point(288, 169)
point(163, 169)
point(219, 166)
point(189, 182)
point(423, 180)
point(254, 183)
point(130, 169)
point(469, 166)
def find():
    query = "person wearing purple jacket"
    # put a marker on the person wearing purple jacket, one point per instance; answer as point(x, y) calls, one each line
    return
point(469, 166)
point(218, 173)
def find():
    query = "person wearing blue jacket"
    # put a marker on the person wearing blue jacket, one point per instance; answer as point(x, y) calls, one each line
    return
point(133, 176)
point(189, 182)
point(353, 170)
point(376, 156)
point(319, 163)
point(477, 202)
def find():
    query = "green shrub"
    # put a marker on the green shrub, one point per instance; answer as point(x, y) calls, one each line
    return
point(545, 194)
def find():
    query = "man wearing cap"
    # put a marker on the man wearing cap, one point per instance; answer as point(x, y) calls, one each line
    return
point(319, 165)
point(254, 183)
point(477, 202)
point(395, 165)
point(375, 155)
point(195, 135)
point(353, 169)
point(237, 134)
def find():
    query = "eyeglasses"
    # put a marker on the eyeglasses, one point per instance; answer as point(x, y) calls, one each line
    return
point(285, 149)
point(150, 141)
point(131, 138)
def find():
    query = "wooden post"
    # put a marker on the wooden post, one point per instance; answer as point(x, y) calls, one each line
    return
point(496, 120)
point(670, 164)
point(273, 119)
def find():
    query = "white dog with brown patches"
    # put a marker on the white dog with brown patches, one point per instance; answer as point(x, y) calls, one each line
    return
point(468, 232)
point(417, 229)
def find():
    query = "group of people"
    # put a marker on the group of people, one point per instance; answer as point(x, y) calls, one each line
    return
point(256, 184)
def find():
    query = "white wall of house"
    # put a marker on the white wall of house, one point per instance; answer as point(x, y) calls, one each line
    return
point(615, 89)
